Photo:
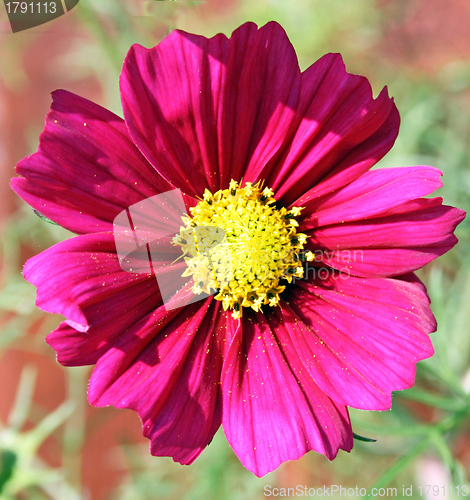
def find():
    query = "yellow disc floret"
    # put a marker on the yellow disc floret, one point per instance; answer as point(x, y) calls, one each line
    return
point(238, 244)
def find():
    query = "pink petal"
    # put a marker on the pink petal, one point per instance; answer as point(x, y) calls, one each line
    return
point(81, 279)
point(86, 169)
point(342, 131)
point(414, 234)
point(375, 193)
point(75, 273)
point(113, 314)
point(167, 368)
point(76, 348)
point(272, 410)
point(108, 318)
point(359, 339)
point(203, 111)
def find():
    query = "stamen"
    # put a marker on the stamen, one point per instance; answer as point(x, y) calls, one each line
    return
point(239, 244)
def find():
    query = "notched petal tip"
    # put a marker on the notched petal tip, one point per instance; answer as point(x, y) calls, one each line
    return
point(37, 271)
point(205, 110)
point(167, 369)
point(360, 339)
point(273, 410)
point(342, 131)
point(86, 169)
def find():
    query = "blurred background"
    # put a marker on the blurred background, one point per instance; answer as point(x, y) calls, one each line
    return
point(53, 444)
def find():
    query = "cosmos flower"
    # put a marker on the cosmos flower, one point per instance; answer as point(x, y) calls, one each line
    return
point(280, 160)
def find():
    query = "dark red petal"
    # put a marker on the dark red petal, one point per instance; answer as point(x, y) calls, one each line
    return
point(272, 410)
point(376, 193)
point(86, 169)
point(359, 339)
point(341, 132)
point(168, 370)
point(204, 111)
point(81, 279)
point(389, 245)
point(76, 348)
point(116, 319)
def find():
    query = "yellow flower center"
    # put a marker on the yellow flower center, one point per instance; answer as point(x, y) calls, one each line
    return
point(238, 244)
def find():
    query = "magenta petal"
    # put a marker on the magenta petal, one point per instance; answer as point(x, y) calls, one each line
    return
point(384, 262)
point(358, 161)
point(204, 111)
point(342, 131)
point(81, 279)
point(109, 316)
point(76, 348)
point(272, 409)
point(168, 369)
point(86, 169)
point(378, 192)
point(378, 225)
point(359, 339)
point(198, 113)
point(389, 245)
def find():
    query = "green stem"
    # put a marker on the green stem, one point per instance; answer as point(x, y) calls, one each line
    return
point(434, 434)
point(402, 463)
point(448, 378)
